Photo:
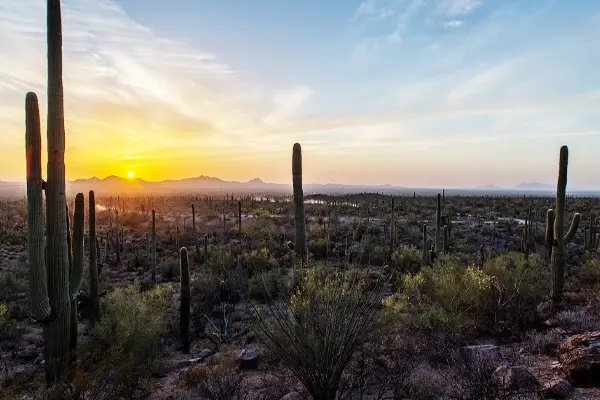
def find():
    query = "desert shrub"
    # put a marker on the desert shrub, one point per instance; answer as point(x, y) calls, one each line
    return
point(267, 285)
point(215, 381)
point(223, 258)
point(543, 342)
point(317, 333)
point(8, 326)
point(318, 248)
point(169, 268)
point(376, 255)
point(132, 219)
point(577, 321)
point(499, 298)
point(134, 322)
point(588, 278)
point(407, 259)
point(258, 261)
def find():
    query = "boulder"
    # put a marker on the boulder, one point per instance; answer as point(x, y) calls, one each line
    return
point(557, 389)
point(248, 358)
point(579, 356)
point(487, 354)
point(516, 378)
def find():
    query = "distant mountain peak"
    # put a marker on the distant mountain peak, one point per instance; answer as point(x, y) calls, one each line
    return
point(256, 180)
point(535, 186)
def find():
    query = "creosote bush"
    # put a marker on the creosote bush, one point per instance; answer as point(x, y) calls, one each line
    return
point(134, 323)
point(500, 298)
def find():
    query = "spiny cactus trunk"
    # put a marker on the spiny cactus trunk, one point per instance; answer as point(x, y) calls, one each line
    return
point(205, 249)
point(184, 305)
point(39, 305)
point(558, 238)
point(57, 333)
point(392, 229)
point(153, 245)
point(425, 250)
point(299, 218)
point(177, 238)
point(240, 218)
point(196, 246)
point(76, 269)
point(93, 267)
point(438, 224)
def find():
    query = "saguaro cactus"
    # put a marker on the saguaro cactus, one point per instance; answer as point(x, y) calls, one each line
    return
point(240, 218)
point(93, 267)
point(197, 247)
point(184, 302)
point(299, 218)
point(438, 225)
point(555, 228)
point(392, 228)
point(153, 245)
point(76, 267)
point(425, 251)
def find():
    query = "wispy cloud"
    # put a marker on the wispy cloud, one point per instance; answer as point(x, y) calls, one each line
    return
point(455, 23)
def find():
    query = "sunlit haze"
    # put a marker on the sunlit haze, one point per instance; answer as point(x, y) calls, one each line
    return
point(452, 93)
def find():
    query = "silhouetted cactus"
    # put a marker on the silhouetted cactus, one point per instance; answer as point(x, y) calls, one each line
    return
point(93, 267)
point(240, 218)
point(425, 252)
point(555, 236)
point(194, 234)
point(184, 302)
point(153, 245)
point(299, 218)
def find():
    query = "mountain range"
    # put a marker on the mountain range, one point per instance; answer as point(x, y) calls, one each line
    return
point(212, 185)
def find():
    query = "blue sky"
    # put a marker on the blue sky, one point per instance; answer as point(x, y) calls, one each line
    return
point(409, 92)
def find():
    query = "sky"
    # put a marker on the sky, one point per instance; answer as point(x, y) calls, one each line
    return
point(425, 93)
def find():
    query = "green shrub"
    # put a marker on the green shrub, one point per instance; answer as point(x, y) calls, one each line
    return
point(258, 261)
point(266, 285)
point(500, 298)
point(407, 259)
point(134, 322)
point(318, 248)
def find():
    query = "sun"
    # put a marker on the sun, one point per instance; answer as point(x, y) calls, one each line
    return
point(130, 174)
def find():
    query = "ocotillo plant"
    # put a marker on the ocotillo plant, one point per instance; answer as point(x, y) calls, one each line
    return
point(196, 246)
point(153, 245)
point(555, 229)
point(49, 277)
point(93, 267)
point(301, 248)
point(184, 301)
point(438, 224)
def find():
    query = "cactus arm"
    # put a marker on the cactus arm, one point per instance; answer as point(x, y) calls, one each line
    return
point(39, 304)
point(76, 273)
point(573, 228)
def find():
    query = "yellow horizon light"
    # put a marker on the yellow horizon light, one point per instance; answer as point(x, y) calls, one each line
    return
point(130, 174)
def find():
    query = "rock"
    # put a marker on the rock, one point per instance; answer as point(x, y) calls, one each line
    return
point(292, 396)
point(517, 378)
point(248, 358)
point(488, 354)
point(580, 358)
point(205, 353)
point(557, 389)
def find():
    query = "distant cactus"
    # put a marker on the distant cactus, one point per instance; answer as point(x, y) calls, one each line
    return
point(240, 218)
point(555, 228)
point(438, 225)
point(392, 228)
point(445, 240)
point(93, 267)
point(194, 234)
point(299, 218)
point(205, 249)
point(425, 251)
point(177, 238)
point(184, 302)
point(153, 245)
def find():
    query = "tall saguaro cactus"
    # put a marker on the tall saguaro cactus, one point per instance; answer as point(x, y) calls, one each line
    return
point(438, 225)
point(555, 229)
point(49, 282)
point(94, 299)
point(299, 218)
point(76, 267)
point(153, 245)
point(184, 301)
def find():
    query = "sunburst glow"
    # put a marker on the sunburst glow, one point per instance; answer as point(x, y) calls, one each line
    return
point(130, 174)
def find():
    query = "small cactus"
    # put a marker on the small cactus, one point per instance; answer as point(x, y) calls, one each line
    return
point(93, 267)
point(153, 245)
point(184, 302)
point(438, 225)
